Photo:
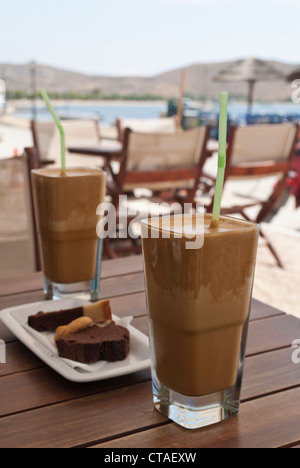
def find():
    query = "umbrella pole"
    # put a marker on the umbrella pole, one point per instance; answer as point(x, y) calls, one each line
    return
point(181, 96)
point(250, 95)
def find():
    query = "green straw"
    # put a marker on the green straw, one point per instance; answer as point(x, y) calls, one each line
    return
point(221, 160)
point(60, 129)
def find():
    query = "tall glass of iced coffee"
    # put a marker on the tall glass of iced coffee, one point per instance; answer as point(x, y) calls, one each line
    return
point(198, 309)
point(65, 206)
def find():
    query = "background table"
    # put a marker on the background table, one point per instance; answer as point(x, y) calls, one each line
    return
point(111, 150)
point(39, 408)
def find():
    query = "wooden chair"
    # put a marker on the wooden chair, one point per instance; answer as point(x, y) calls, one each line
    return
point(17, 245)
point(260, 151)
point(46, 138)
point(160, 125)
point(168, 165)
point(32, 161)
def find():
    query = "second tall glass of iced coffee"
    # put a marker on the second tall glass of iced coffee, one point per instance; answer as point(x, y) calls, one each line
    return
point(198, 306)
point(66, 205)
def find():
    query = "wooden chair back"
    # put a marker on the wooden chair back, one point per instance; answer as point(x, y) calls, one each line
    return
point(32, 162)
point(160, 125)
point(46, 138)
point(163, 161)
point(17, 241)
point(264, 148)
point(261, 151)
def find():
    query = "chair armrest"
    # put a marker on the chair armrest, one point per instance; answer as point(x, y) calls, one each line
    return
point(112, 188)
point(47, 162)
point(204, 175)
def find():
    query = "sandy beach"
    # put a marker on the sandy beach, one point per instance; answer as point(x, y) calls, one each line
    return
point(275, 286)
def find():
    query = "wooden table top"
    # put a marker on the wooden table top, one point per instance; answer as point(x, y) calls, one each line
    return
point(40, 409)
point(111, 150)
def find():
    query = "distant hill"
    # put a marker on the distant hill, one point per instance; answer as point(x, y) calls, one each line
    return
point(199, 82)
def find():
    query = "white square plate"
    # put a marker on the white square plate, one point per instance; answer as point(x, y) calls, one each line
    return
point(43, 345)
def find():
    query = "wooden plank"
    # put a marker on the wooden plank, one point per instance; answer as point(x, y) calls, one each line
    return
point(125, 405)
point(110, 287)
point(131, 305)
point(134, 303)
point(269, 422)
point(30, 282)
point(43, 387)
point(129, 284)
point(21, 299)
point(82, 420)
point(33, 281)
point(122, 266)
point(31, 286)
point(19, 359)
point(268, 373)
point(272, 333)
point(264, 374)
point(283, 331)
point(260, 310)
point(264, 335)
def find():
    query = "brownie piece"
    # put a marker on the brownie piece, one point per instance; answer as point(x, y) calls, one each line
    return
point(110, 343)
point(50, 321)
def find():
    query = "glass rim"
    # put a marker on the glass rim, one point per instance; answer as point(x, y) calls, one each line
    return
point(147, 222)
point(44, 171)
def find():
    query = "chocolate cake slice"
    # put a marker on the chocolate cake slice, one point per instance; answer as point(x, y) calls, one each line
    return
point(50, 321)
point(110, 343)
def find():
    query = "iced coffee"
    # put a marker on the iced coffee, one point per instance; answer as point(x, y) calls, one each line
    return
point(198, 304)
point(66, 207)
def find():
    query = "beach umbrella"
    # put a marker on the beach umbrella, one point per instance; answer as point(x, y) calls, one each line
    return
point(249, 70)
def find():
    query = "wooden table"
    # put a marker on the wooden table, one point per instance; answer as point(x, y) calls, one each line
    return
point(39, 408)
point(111, 150)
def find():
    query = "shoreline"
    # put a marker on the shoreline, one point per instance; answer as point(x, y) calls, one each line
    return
point(20, 110)
point(25, 103)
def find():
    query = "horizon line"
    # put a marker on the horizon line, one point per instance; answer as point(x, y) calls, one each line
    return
point(145, 76)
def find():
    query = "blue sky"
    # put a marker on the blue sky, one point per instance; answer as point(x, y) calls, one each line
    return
point(146, 37)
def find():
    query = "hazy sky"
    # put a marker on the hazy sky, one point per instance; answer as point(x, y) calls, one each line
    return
point(146, 37)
